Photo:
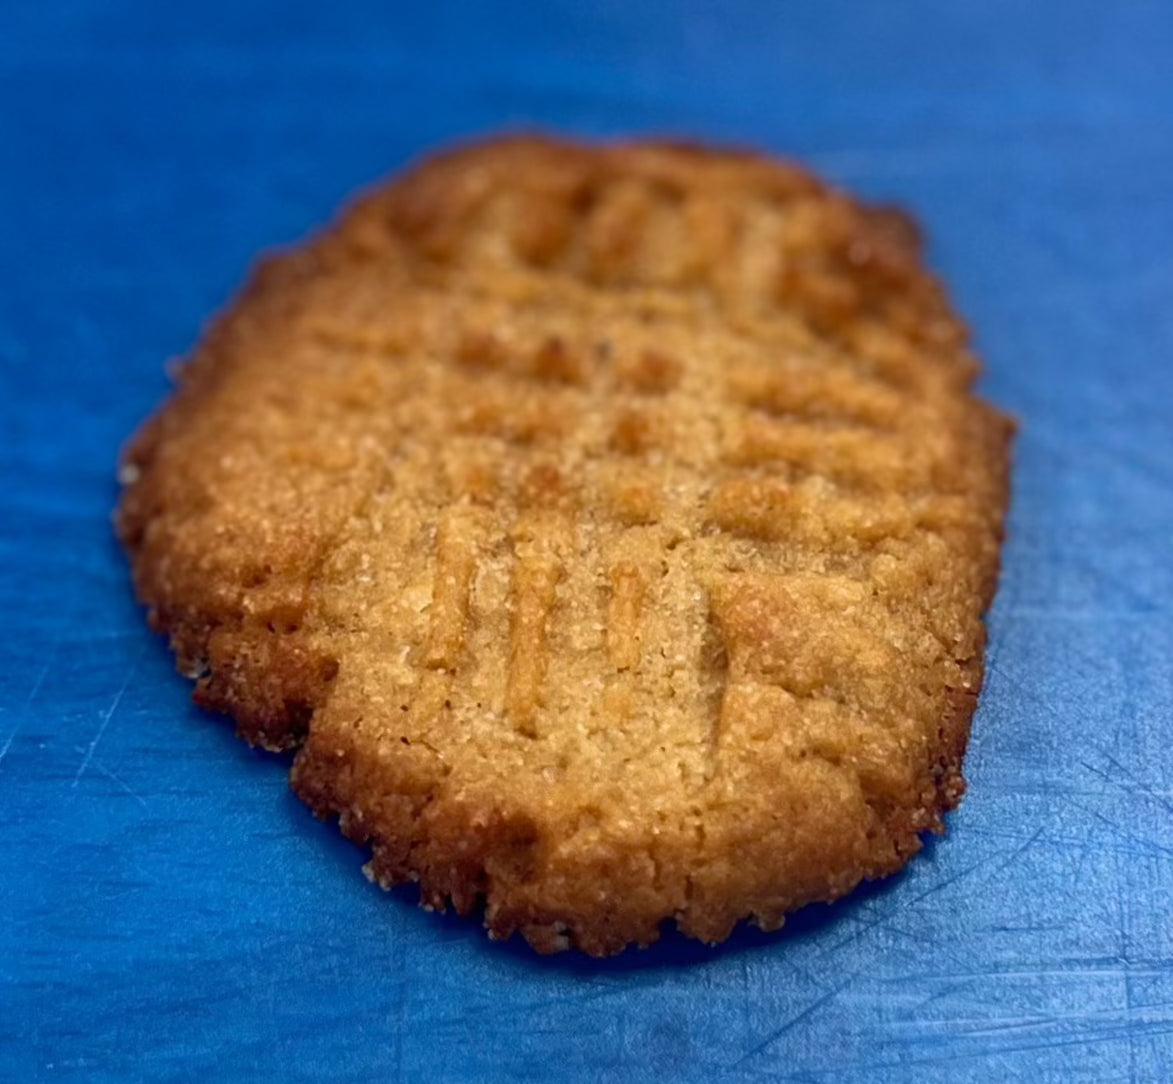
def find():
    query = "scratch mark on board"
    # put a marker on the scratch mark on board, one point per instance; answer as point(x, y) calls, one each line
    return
point(107, 715)
point(792, 1022)
point(121, 782)
point(36, 688)
point(1129, 778)
point(996, 862)
point(1150, 848)
point(8, 742)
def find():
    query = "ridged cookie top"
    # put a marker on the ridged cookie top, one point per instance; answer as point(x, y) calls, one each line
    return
point(616, 523)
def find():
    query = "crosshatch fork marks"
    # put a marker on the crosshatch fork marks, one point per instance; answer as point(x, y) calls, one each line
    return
point(457, 547)
point(535, 580)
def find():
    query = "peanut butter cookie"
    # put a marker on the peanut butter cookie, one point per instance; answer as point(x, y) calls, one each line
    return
point(609, 529)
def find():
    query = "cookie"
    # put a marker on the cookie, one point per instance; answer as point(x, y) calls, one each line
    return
point(609, 529)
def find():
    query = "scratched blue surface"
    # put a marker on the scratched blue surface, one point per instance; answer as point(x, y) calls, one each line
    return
point(168, 911)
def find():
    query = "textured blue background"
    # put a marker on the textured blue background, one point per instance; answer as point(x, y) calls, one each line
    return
point(167, 910)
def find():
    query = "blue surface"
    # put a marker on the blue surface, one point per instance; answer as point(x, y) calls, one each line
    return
point(168, 910)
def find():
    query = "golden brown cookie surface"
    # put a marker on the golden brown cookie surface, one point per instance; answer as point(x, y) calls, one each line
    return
point(610, 527)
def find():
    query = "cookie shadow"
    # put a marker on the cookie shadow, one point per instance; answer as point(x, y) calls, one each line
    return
point(675, 950)
point(672, 950)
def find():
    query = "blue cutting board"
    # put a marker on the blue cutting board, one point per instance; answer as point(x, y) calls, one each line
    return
point(169, 911)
